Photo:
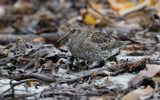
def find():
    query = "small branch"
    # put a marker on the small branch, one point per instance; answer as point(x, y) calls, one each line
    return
point(41, 77)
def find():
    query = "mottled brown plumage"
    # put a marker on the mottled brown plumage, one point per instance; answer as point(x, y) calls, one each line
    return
point(92, 45)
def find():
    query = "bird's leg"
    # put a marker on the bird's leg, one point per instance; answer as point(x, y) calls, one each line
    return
point(77, 64)
point(71, 63)
point(82, 65)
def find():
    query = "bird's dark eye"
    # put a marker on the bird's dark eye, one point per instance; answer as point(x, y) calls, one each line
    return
point(73, 30)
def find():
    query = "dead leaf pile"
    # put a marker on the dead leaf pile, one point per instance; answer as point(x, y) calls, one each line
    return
point(35, 65)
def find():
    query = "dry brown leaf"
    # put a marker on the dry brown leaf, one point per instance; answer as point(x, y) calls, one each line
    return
point(151, 2)
point(96, 11)
point(152, 70)
point(134, 47)
point(134, 95)
point(89, 19)
point(157, 78)
point(104, 97)
point(157, 7)
point(96, 6)
point(31, 83)
point(39, 39)
point(23, 6)
point(119, 5)
point(124, 6)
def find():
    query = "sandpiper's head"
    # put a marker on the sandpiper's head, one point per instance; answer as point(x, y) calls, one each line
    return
point(73, 30)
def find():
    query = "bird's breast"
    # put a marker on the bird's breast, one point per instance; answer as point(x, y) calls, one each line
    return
point(75, 46)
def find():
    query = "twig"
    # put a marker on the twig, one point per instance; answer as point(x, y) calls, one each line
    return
point(41, 77)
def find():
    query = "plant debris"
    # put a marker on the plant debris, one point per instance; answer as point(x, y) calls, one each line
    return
point(36, 63)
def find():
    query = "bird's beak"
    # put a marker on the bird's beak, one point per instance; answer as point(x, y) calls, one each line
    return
point(63, 37)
